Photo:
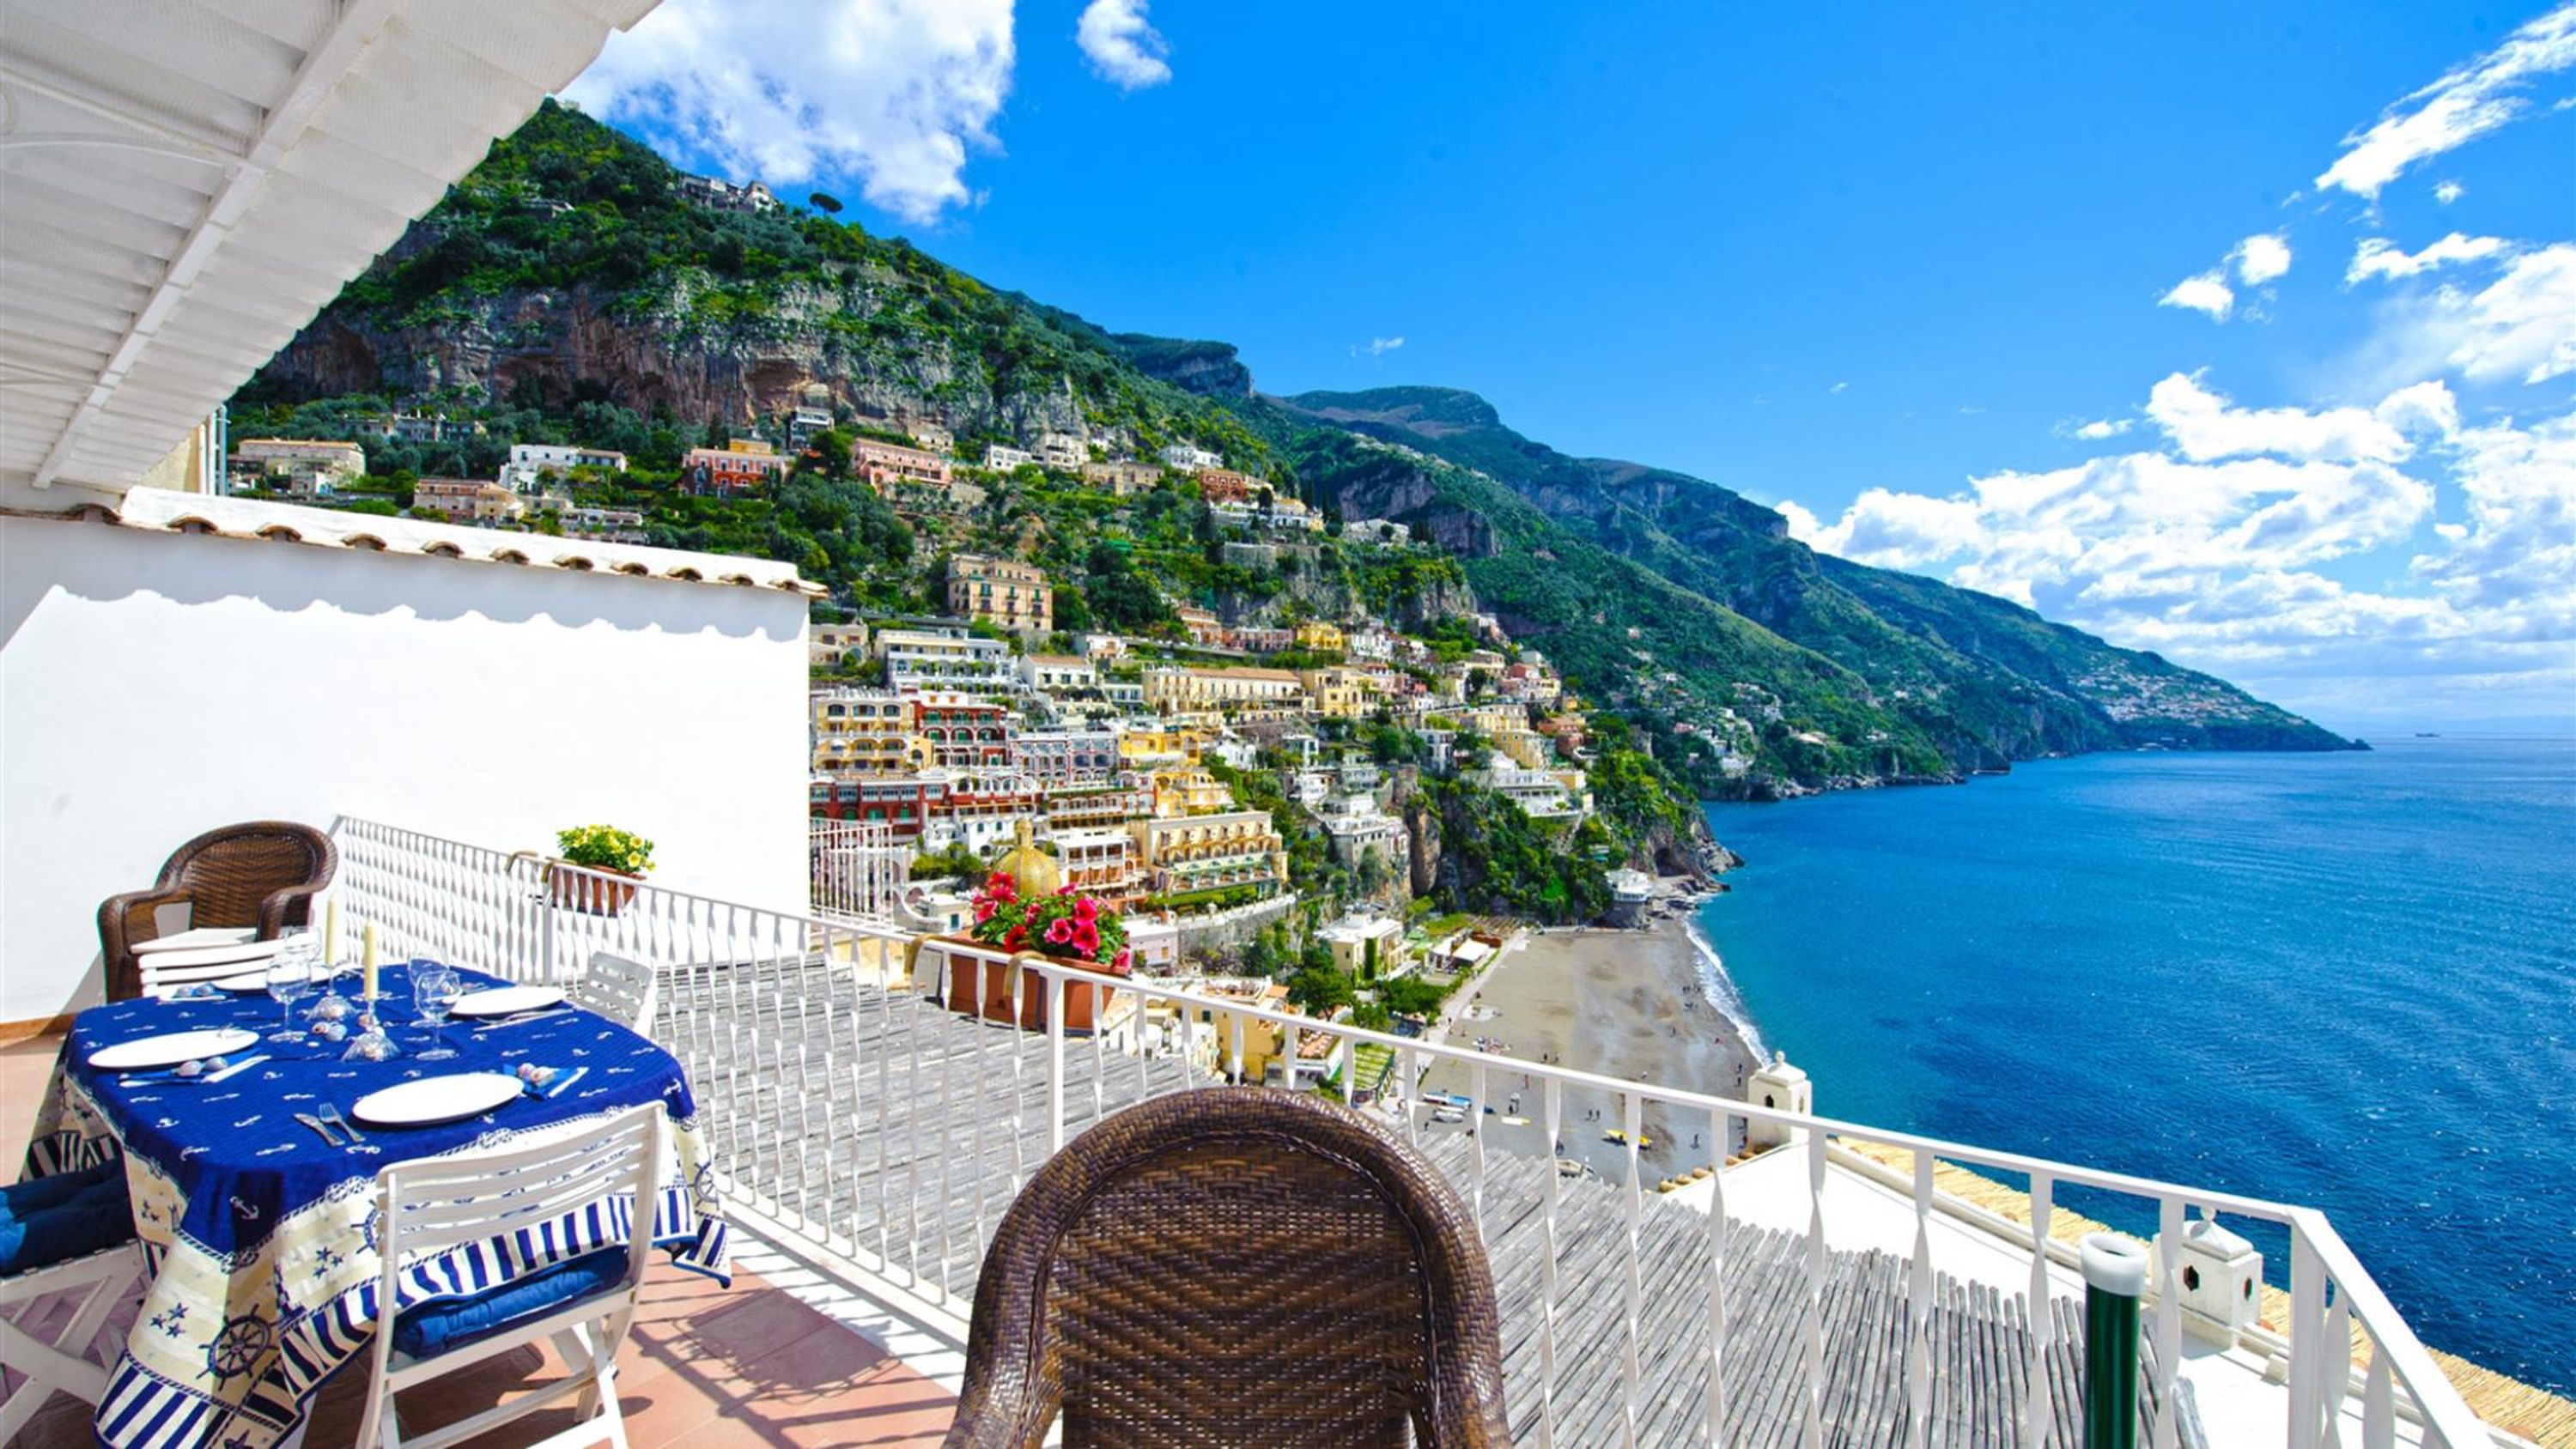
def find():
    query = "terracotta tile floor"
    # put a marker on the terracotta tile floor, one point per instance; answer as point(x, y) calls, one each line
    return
point(716, 1367)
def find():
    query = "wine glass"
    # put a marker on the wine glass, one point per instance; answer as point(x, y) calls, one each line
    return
point(290, 976)
point(434, 990)
point(334, 1005)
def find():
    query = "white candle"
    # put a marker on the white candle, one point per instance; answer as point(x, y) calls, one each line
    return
point(370, 961)
point(331, 931)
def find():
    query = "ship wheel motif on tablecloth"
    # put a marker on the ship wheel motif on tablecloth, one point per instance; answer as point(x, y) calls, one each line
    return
point(239, 1348)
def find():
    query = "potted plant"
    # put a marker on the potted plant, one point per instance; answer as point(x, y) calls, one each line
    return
point(1065, 926)
point(603, 849)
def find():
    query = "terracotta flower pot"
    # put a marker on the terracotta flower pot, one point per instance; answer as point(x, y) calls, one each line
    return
point(592, 894)
point(996, 991)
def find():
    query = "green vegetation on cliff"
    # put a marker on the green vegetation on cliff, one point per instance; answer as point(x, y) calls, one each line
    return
point(567, 291)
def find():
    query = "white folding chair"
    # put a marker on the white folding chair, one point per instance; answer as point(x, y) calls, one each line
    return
point(620, 989)
point(168, 971)
point(59, 1359)
point(436, 1204)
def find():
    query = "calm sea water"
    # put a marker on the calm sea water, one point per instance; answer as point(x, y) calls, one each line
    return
point(2343, 980)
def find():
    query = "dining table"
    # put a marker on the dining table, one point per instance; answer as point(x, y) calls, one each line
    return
point(259, 1232)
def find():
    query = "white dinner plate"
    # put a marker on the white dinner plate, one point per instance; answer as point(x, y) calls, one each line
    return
point(433, 1100)
point(200, 937)
point(506, 1001)
point(172, 1049)
point(256, 982)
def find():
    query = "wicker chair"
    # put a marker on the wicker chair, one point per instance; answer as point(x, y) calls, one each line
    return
point(1234, 1266)
point(262, 875)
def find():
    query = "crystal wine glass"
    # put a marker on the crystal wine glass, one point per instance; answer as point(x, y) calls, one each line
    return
point(290, 976)
point(335, 1004)
point(434, 989)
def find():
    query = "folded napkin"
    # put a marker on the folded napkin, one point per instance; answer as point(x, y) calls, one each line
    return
point(548, 1081)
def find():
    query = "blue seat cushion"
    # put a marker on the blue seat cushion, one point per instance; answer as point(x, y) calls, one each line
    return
point(69, 1215)
point(434, 1328)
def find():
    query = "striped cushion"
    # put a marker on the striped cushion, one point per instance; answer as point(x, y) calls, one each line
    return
point(434, 1328)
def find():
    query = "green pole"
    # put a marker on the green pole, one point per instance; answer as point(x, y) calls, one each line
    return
point(2115, 1275)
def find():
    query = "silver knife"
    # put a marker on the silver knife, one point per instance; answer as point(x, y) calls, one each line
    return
point(309, 1120)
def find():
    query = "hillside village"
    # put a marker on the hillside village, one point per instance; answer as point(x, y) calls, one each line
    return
point(1325, 689)
point(1287, 745)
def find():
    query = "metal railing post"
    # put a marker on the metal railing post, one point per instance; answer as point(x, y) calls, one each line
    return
point(2115, 1276)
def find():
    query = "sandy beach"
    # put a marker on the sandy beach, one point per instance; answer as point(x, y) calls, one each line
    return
point(1626, 1004)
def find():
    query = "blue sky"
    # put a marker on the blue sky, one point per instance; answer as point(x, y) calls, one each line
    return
point(1879, 267)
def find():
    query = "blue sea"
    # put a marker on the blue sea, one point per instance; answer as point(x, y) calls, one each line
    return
point(2344, 980)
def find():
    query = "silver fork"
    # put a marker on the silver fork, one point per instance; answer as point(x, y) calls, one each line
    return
point(309, 1120)
point(331, 1114)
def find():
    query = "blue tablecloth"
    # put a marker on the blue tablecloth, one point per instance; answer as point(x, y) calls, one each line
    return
point(262, 1238)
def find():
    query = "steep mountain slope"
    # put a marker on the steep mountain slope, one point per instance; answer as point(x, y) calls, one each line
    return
point(568, 291)
point(1991, 680)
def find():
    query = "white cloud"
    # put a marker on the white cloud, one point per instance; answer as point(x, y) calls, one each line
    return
point(2463, 105)
point(2213, 548)
point(2377, 256)
point(2524, 325)
point(1125, 49)
point(1839, 387)
point(2096, 430)
point(2449, 191)
point(2207, 292)
point(2261, 258)
point(895, 93)
point(2203, 425)
point(1377, 346)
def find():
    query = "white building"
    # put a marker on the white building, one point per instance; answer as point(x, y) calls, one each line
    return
point(1067, 756)
point(1357, 826)
point(530, 462)
point(1053, 673)
point(1061, 452)
point(926, 659)
point(1189, 457)
point(1002, 460)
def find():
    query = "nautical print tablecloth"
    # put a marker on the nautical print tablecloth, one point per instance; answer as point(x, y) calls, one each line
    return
point(261, 1239)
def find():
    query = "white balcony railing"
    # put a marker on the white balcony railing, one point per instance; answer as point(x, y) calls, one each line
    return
point(849, 1111)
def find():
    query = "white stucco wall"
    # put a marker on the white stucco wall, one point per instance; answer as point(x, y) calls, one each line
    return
point(153, 685)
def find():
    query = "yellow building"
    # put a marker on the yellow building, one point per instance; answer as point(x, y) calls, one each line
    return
point(1528, 748)
point(1165, 744)
point(467, 498)
point(1336, 693)
point(1213, 1030)
point(1192, 853)
point(1000, 591)
point(1316, 634)
point(1231, 691)
point(1189, 790)
point(865, 732)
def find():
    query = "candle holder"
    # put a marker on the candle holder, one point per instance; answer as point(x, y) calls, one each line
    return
point(373, 1043)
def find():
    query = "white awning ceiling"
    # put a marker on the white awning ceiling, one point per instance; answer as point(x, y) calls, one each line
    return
point(184, 183)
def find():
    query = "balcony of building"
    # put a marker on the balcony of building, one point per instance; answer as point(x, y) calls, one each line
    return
point(1845, 1285)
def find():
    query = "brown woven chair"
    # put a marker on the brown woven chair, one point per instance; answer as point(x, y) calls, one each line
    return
point(1234, 1266)
point(263, 874)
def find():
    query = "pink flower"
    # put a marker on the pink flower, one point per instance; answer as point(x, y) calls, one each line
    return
point(1059, 932)
point(1084, 935)
point(1016, 939)
point(1087, 909)
point(984, 910)
point(1065, 890)
point(1125, 963)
